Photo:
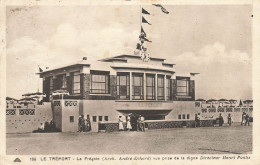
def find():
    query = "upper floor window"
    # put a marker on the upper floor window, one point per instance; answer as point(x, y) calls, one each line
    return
point(76, 82)
point(99, 82)
point(150, 87)
point(137, 86)
point(51, 85)
point(183, 86)
point(160, 87)
point(168, 88)
point(123, 86)
point(62, 81)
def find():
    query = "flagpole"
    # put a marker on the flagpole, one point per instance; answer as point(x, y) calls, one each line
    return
point(140, 16)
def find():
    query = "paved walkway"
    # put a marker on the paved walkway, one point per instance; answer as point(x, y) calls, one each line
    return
point(213, 140)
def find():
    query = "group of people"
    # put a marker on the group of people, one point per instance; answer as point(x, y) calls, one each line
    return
point(245, 119)
point(84, 124)
point(132, 123)
point(47, 127)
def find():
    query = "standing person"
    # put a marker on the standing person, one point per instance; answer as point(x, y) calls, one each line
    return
point(229, 119)
point(198, 120)
point(81, 123)
point(221, 120)
point(142, 124)
point(247, 119)
point(88, 124)
point(128, 124)
point(139, 123)
point(243, 118)
point(120, 123)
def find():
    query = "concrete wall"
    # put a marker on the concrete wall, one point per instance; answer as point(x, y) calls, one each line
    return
point(70, 108)
point(57, 114)
point(182, 108)
point(27, 123)
point(63, 110)
point(110, 108)
point(235, 112)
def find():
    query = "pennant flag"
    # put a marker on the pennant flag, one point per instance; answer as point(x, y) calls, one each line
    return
point(162, 8)
point(142, 31)
point(144, 21)
point(145, 12)
point(40, 69)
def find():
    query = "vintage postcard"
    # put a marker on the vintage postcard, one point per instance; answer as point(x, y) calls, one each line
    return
point(129, 82)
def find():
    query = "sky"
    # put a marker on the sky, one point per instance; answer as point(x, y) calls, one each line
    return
point(213, 40)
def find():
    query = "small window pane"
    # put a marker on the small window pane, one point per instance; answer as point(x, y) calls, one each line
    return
point(94, 118)
point(71, 119)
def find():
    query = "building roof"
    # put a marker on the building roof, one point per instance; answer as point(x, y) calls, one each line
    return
point(130, 56)
point(104, 64)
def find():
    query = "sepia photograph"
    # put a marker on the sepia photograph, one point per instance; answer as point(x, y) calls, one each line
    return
point(120, 79)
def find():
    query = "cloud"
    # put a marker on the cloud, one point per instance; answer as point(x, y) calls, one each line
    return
point(65, 45)
point(223, 73)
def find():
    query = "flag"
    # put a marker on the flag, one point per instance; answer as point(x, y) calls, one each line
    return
point(144, 21)
point(145, 12)
point(142, 31)
point(40, 69)
point(162, 8)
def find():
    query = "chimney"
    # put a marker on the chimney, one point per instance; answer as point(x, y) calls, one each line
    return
point(84, 58)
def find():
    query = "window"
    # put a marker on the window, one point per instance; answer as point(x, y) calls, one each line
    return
point(51, 85)
point(168, 88)
point(63, 81)
point(94, 118)
point(183, 86)
point(106, 118)
point(99, 82)
point(76, 82)
point(100, 118)
point(150, 87)
point(137, 86)
point(179, 116)
point(71, 119)
point(183, 116)
point(123, 87)
point(160, 87)
point(188, 116)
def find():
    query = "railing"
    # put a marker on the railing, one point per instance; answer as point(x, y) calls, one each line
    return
point(227, 109)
